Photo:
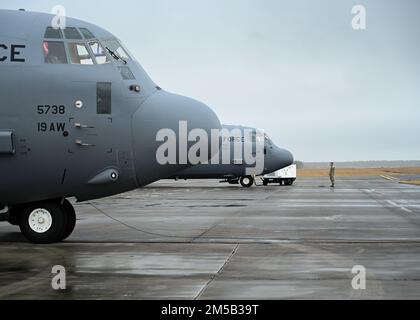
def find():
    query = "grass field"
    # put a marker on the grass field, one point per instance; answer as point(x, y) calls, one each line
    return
point(348, 172)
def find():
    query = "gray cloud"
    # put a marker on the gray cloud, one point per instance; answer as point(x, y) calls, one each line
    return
point(294, 68)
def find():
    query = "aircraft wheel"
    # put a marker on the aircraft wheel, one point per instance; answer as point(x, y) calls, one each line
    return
point(71, 220)
point(43, 222)
point(265, 183)
point(247, 181)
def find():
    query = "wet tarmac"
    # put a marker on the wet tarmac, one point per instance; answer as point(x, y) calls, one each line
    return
point(205, 240)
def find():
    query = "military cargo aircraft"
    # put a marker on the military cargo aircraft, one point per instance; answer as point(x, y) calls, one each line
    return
point(78, 118)
point(234, 171)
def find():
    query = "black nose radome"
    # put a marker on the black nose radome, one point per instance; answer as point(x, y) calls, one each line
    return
point(166, 111)
point(278, 158)
point(287, 157)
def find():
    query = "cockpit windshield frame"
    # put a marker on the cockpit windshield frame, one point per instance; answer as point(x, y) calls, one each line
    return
point(111, 48)
point(100, 46)
point(116, 50)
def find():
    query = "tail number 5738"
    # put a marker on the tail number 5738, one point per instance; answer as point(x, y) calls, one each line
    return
point(54, 109)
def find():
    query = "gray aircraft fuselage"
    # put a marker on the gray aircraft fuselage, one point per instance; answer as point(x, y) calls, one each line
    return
point(69, 129)
point(275, 158)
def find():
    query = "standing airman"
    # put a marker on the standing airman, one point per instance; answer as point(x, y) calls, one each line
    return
point(332, 174)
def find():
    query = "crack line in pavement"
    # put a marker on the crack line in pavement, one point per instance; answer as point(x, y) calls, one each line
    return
point(218, 273)
point(218, 223)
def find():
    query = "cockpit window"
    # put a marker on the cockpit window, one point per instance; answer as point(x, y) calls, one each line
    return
point(54, 52)
point(52, 33)
point(86, 33)
point(267, 139)
point(79, 53)
point(99, 52)
point(115, 46)
point(72, 34)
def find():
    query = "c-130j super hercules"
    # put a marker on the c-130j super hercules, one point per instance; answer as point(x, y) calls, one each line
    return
point(78, 118)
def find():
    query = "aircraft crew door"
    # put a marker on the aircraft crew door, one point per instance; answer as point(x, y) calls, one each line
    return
point(90, 122)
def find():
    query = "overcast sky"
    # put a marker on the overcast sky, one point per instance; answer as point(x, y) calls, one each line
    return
point(294, 68)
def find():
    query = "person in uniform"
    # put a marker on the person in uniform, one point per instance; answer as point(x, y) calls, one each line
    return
point(332, 174)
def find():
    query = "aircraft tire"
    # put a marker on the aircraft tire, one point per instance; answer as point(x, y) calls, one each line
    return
point(43, 222)
point(265, 183)
point(70, 222)
point(247, 181)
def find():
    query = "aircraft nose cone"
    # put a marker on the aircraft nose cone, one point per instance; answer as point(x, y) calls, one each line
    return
point(287, 157)
point(278, 159)
point(163, 113)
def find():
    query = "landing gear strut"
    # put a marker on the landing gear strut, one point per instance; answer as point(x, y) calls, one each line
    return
point(45, 222)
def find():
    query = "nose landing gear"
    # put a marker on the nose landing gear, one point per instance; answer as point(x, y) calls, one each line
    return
point(247, 181)
point(45, 222)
